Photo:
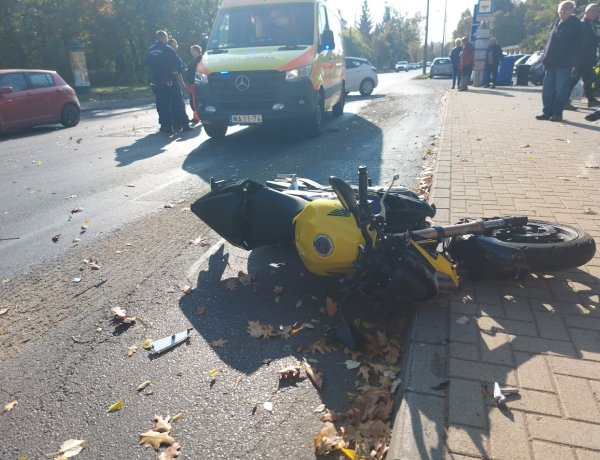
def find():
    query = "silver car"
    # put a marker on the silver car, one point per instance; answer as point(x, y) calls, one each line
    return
point(360, 76)
point(441, 67)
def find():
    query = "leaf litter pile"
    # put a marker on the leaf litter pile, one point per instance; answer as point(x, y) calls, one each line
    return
point(363, 431)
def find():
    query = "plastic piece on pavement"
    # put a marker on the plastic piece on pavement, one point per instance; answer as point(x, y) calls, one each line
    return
point(164, 344)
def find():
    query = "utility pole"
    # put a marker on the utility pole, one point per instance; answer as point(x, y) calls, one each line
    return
point(425, 45)
point(444, 33)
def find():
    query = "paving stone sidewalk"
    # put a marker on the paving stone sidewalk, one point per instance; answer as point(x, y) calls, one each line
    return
point(541, 334)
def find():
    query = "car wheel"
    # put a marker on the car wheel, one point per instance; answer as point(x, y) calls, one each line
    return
point(314, 127)
point(216, 131)
point(430, 75)
point(366, 87)
point(69, 116)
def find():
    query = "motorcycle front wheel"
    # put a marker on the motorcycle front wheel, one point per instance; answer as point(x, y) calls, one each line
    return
point(536, 247)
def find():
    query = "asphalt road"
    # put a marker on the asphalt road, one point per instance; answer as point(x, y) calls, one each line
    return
point(63, 358)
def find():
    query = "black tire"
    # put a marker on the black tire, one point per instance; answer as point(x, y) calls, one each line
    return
point(338, 109)
point(315, 123)
point(70, 115)
point(366, 87)
point(430, 75)
point(217, 131)
point(572, 247)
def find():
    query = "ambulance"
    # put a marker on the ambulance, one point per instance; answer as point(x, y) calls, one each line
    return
point(269, 62)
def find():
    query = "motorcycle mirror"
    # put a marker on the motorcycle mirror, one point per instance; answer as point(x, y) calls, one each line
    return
point(346, 196)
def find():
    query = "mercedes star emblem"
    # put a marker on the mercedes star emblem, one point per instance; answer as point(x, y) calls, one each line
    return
point(242, 83)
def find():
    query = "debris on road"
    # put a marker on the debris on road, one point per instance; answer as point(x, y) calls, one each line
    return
point(500, 394)
point(56, 237)
point(10, 406)
point(71, 448)
point(164, 344)
point(116, 406)
point(463, 320)
point(120, 315)
point(143, 386)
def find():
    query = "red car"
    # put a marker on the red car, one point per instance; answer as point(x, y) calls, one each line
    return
point(36, 97)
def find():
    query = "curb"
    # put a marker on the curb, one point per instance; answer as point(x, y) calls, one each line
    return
point(91, 106)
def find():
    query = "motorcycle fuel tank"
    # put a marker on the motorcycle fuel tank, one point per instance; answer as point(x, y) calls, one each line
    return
point(327, 238)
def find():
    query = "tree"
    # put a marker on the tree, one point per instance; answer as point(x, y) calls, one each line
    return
point(463, 28)
point(365, 23)
point(508, 26)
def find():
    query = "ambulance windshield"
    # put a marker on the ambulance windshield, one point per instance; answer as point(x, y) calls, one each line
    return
point(281, 24)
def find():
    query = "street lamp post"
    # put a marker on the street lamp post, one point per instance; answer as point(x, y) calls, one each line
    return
point(425, 46)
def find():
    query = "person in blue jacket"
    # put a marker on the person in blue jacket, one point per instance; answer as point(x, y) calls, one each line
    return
point(455, 60)
point(165, 67)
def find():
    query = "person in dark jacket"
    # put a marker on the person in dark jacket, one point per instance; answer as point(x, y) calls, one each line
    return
point(455, 60)
point(190, 77)
point(164, 66)
point(560, 56)
point(467, 59)
point(493, 56)
point(584, 68)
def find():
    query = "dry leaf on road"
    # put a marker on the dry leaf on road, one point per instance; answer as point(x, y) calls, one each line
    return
point(171, 453)
point(8, 407)
point(231, 284)
point(220, 343)
point(162, 425)
point(72, 447)
point(277, 290)
point(314, 375)
point(154, 439)
point(4, 310)
point(131, 350)
point(289, 372)
point(143, 386)
point(246, 279)
point(116, 406)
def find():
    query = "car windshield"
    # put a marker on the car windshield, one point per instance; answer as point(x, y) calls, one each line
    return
point(441, 61)
point(263, 25)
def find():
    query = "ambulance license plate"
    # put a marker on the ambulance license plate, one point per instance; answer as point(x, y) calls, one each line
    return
point(246, 119)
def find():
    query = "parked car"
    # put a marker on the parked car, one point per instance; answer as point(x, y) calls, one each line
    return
point(361, 76)
point(36, 97)
point(537, 69)
point(412, 66)
point(401, 65)
point(441, 67)
point(520, 61)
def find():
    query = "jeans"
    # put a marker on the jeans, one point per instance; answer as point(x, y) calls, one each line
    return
point(585, 72)
point(465, 76)
point(455, 75)
point(555, 92)
point(491, 71)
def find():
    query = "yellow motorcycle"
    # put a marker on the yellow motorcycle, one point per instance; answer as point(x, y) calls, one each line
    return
point(379, 240)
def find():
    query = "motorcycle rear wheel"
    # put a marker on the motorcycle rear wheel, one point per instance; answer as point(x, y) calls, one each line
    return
point(545, 246)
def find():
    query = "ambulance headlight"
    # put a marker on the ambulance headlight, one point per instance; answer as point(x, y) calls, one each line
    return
point(299, 73)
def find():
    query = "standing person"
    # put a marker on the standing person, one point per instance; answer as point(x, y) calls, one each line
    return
point(467, 59)
point(455, 60)
point(584, 68)
point(164, 65)
point(178, 103)
point(190, 77)
point(493, 56)
point(560, 55)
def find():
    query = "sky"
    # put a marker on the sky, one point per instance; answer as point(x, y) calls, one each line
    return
point(351, 10)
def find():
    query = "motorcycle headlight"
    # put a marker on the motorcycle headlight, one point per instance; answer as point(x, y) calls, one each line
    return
point(201, 78)
point(299, 73)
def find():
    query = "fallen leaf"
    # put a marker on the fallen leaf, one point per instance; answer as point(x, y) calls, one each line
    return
point(131, 350)
point(94, 266)
point(299, 304)
point(257, 330)
point(4, 310)
point(72, 447)
point(154, 439)
point(172, 452)
point(331, 307)
point(289, 372)
point(351, 364)
point(76, 210)
point(162, 425)
point(313, 374)
point(220, 343)
point(120, 314)
point(463, 320)
point(8, 407)
point(55, 238)
point(321, 347)
point(213, 373)
point(201, 311)
point(268, 406)
point(277, 290)
point(177, 417)
point(320, 408)
point(147, 345)
point(116, 406)
point(143, 385)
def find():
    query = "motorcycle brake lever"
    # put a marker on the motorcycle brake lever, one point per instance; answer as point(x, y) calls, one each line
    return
point(383, 197)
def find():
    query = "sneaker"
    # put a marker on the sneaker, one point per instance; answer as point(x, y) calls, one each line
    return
point(569, 106)
point(452, 87)
point(166, 129)
point(593, 116)
point(593, 103)
point(556, 118)
point(543, 116)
